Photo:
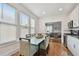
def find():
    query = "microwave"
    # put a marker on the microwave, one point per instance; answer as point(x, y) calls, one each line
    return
point(70, 24)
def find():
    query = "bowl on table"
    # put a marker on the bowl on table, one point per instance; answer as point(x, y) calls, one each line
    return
point(39, 36)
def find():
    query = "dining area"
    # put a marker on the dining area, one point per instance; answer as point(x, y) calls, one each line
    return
point(33, 44)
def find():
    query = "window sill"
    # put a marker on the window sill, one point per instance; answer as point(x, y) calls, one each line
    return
point(8, 43)
point(9, 48)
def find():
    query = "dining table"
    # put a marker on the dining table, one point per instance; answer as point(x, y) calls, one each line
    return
point(35, 45)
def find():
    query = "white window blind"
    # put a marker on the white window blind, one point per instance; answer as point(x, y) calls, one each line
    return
point(7, 33)
point(24, 24)
point(0, 10)
point(32, 26)
point(7, 23)
point(24, 19)
point(32, 30)
point(24, 31)
point(32, 22)
point(12, 27)
point(8, 14)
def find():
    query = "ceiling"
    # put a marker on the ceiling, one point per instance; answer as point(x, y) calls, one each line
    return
point(50, 9)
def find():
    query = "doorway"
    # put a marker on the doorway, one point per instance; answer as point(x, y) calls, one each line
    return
point(54, 31)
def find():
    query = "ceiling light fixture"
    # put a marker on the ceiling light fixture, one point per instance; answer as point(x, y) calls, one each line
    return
point(60, 9)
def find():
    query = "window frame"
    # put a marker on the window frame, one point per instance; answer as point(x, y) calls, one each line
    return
point(17, 22)
point(8, 23)
point(31, 26)
point(24, 26)
point(3, 14)
point(25, 15)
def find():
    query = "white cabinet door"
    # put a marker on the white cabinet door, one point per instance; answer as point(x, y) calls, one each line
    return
point(75, 17)
point(73, 45)
point(70, 44)
point(78, 15)
point(77, 46)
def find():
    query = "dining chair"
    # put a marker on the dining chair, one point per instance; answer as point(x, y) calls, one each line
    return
point(24, 47)
point(45, 45)
point(28, 35)
point(46, 42)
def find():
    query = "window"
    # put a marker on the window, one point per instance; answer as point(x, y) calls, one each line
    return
point(24, 25)
point(32, 25)
point(7, 33)
point(32, 30)
point(12, 27)
point(24, 31)
point(8, 14)
point(0, 10)
point(24, 19)
point(49, 29)
point(7, 23)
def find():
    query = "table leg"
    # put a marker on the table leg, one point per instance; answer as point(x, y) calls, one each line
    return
point(38, 49)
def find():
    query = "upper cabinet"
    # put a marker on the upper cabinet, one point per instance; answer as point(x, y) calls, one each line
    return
point(75, 17)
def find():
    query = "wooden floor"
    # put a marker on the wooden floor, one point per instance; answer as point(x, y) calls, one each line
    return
point(55, 49)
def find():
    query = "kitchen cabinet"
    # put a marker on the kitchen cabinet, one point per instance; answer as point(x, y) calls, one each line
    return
point(73, 45)
point(75, 16)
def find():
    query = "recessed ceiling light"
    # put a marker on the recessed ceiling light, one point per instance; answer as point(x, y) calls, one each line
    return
point(44, 12)
point(60, 9)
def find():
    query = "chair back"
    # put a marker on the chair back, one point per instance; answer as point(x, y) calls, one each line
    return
point(28, 35)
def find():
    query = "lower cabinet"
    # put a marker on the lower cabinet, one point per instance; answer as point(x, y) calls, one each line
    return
point(73, 45)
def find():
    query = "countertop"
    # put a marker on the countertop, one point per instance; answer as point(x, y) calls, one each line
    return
point(76, 36)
